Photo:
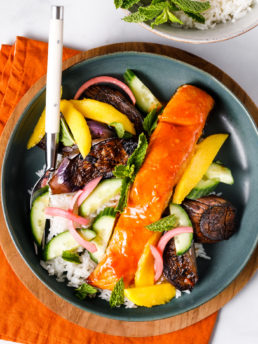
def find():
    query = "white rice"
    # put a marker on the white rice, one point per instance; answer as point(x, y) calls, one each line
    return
point(75, 274)
point(221, 11)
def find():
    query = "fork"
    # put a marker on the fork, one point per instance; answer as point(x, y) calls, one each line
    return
point(53, 90)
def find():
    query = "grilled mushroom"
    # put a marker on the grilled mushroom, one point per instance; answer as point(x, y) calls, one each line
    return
point(181, 271)
point(74, 173)
point(213, 218)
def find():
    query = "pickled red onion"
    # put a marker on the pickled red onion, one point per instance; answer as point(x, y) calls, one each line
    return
point(170, 234)
point(157, 252)
point(53, 211)
point(84, 243)
point(158, 262)
point(88, 188)
point(74, 200)
point(105, 79)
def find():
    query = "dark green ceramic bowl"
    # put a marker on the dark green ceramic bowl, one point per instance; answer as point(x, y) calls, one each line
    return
point(163, 75)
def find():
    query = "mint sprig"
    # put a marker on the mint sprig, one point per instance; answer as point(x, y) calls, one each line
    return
point(164, 224)
point(150, 121)
point(84, 290)
point(120, 130)
point(128, 172)
point(161, 11)
point(117, 295)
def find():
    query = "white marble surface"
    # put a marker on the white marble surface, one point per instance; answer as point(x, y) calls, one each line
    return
point(91, 23)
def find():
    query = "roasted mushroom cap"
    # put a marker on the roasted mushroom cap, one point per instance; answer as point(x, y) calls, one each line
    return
point(181, 271)
point(73, 174)
point(213, 218)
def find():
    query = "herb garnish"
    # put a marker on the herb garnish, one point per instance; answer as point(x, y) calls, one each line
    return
point(128, 172)
point(117, 295)
point(163, 224)
point(150, 122)
point(120, 130)
point(84, 290)
point(162, 11)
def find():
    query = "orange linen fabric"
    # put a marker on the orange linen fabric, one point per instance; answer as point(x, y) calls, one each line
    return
point(23, 318)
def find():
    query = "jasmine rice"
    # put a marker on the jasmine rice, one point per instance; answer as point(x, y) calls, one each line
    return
point(220, 11)
point(75, 274)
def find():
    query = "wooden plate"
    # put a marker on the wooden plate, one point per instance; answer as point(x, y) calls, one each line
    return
point(74, 314)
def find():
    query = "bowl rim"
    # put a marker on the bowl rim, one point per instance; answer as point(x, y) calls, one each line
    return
point(136, 52)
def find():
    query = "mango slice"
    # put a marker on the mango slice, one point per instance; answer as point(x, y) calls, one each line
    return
point(78, 126)
point(38, 132)
point(151, 296)
point(103, 112)
point(144, 275)
point(198, 166)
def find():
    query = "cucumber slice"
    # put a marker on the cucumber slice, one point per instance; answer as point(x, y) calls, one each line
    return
point(220, 172)
point(65, 242)
point(37, 216)
point(203, 188)
point(144, 98)
point(103, 226)
point(182, 241)
point(105, 191)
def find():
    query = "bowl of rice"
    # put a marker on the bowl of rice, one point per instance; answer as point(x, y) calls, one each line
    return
point(225, 19)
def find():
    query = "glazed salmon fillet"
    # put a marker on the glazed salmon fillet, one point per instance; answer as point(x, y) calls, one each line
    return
point(171, 146)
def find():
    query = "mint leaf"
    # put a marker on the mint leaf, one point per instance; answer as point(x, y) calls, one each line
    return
point(66, 136)
point(139, 153)
point(172, 7)
point(192, 6)
point(152, 11)
point(129, 3)
point(119, 128)
point(122, 171)
point(161, 19)
point(117, 295)
point(163, 224)
point(155, 2)
point(135, 18)
point(118, 3)
point(84, 290)
point(126, 183)
point(174, 19)
point(128, 172)
point(196, 16)
point(71, 256)
point(151, 120)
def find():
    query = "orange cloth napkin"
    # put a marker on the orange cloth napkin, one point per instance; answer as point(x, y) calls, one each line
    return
point(23, 318)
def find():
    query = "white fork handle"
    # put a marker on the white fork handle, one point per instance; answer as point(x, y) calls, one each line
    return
point(54, 70)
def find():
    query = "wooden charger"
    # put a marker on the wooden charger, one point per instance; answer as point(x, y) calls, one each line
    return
point(92, 321)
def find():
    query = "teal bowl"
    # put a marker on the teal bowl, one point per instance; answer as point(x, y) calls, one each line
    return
point(163, 75)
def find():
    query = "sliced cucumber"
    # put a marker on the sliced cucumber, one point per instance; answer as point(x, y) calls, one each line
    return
point(105, 191)
point(65, 242)
point(203, 188)
point(144, 98)
point(103, 226)
point(182, 241)
point(37, 216)
point(220, 172)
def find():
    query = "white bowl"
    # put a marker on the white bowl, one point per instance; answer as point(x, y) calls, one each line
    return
point(220, 32)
